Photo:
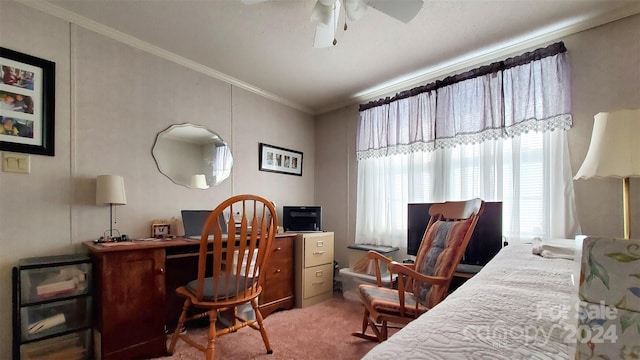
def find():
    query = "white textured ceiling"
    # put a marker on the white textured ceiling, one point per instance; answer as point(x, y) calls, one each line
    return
point(267, 47)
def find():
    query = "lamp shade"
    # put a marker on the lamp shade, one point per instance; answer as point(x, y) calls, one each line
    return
point(110, 190)
point(199, 181)
point(615, 146)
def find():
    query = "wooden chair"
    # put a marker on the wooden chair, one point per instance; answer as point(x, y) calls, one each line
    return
point(233, 276)
point(421, 285)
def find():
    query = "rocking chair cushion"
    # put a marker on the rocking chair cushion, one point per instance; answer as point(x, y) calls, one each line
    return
point(224, 292)
point(385, 300)
point(438, 257)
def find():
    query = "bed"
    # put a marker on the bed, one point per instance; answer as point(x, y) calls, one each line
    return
point(517, 307)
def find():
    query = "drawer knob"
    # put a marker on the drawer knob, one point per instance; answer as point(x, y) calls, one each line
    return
point(317, 283)
point(277, 271)
point(161, 271)
point(278, 249)
point(318, 252)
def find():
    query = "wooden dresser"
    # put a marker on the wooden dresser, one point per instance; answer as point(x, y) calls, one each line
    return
point(135, 295)
point(314, 268)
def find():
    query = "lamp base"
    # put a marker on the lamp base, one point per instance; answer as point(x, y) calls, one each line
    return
point(108, 236)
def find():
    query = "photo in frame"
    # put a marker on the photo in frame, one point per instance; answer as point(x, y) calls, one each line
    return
point(280, 160)
point(27, 103)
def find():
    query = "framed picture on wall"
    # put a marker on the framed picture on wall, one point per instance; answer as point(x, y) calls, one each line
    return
point(280, 160)
point(27, 103)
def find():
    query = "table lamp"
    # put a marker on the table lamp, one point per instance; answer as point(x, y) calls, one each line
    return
point(614, 151)
point(199, 181)
point(110, 190)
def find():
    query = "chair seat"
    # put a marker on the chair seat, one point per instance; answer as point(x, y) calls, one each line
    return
point(224, 292)
point(387, 301)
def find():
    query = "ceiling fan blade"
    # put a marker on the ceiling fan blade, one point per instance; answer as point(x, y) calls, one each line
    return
point(326, 26)
point(404, 10)
point(251, 2)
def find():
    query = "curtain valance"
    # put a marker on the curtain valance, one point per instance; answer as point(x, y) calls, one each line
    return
point(530, 92)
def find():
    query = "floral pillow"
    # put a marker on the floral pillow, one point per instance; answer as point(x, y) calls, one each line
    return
point(609, 292)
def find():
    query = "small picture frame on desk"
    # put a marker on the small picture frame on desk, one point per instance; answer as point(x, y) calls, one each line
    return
point(160, 230)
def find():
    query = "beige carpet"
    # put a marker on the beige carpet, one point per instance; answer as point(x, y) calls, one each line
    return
point(321, 331)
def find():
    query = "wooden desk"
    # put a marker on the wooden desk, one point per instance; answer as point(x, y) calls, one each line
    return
point(135, 295)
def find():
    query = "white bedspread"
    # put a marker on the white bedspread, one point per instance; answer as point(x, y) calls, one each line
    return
point(516, 307)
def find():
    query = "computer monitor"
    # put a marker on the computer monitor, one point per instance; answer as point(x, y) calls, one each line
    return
point(484, 244)
point(193, 221)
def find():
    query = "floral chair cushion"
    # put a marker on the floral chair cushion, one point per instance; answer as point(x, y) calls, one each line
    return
point(387, 300)
point(438, 256)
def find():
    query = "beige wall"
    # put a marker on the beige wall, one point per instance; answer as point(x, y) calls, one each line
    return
point(335, 176)
point(111, 101)
point(605, 73)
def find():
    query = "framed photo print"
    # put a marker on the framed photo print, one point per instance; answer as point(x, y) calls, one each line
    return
point(280, 160)
point(160, 230)
point(27, 103)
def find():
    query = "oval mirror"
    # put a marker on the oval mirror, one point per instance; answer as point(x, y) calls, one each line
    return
point(192, 156)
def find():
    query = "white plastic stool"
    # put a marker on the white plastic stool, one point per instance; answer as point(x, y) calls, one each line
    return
point(351, 279)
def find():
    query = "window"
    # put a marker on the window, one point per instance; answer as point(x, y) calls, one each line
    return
point(499, 137)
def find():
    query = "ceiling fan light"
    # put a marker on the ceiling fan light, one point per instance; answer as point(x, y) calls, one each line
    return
point(326, 34)
point(355, 9)
point(328, 3)
point(404, 10)
point(321, 14)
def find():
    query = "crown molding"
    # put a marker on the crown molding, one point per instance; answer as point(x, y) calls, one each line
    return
point(390, 88)
point(114, 34)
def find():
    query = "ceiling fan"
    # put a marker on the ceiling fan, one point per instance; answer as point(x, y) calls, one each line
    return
point(325, 15)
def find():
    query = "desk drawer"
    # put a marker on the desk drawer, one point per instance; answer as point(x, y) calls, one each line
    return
point(279, 274)
point(318, 249)
point(318, 280)
point(278, 284)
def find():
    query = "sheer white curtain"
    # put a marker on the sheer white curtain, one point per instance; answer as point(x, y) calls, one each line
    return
point(222, 162)
point(500, 137)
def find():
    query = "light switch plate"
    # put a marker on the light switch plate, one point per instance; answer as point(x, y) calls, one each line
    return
point(16, 163)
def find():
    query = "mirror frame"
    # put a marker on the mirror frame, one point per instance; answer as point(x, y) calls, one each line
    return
point(200, 178)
